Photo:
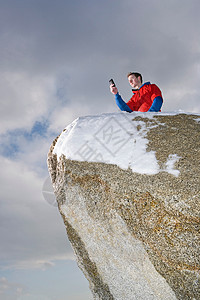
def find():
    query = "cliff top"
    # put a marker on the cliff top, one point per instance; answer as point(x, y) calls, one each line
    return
point(121, 139)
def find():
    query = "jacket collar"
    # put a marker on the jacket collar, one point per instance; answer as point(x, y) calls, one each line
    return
point(146, 83)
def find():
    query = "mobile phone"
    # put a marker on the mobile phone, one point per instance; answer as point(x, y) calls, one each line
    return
point(111, 81)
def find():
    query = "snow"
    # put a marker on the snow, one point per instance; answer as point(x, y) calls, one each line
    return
point(115, 138)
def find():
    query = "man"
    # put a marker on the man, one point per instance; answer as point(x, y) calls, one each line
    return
point(146, 97)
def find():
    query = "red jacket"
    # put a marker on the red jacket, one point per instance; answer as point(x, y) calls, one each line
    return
point(143, 98)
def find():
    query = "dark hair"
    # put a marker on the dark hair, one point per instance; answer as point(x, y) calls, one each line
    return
point(136, 74)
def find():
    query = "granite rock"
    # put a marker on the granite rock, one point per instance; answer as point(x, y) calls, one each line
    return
point(136, 236)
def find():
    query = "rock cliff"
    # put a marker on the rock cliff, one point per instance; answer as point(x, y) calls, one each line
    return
point(128, 189)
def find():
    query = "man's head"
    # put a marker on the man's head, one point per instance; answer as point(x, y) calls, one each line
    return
point(135, 79)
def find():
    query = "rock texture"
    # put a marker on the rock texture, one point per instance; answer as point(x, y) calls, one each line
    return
point(136, 236)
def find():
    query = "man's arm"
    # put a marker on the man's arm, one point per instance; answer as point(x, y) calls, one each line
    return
point(156, 97)
point(121, 104)
point(156, 105)
point(119, 101)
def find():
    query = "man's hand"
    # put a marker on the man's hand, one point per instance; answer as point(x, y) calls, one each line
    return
point(113, 89)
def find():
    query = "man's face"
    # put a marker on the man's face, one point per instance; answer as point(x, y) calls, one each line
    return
point(134, 81)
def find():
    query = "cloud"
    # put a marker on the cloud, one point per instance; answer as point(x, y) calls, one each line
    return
point(24, 99)
point(29, 238)
point(33, 297)
point(10, 290)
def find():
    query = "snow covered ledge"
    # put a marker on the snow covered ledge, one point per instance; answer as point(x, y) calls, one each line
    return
point(118, 138)
point(127, 186)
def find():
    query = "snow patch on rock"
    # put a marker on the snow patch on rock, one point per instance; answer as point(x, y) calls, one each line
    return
point(118, 138)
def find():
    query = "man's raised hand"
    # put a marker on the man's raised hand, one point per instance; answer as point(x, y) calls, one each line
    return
point(113, 89)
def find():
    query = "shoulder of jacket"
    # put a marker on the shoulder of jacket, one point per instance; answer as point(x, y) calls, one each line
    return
point(154, 86)
point(145, 84)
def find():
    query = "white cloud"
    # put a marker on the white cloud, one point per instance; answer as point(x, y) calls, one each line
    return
point(33, 234)
point(10, 290)
point(24, 99)
point(65, 115)
point(37, 263)
point(33, 297)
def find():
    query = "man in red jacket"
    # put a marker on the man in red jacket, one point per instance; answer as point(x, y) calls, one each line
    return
point(146, 97)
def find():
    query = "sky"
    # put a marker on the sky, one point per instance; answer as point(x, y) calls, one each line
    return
point(56, 58)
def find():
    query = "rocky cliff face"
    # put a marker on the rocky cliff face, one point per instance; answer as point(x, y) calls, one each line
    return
point(134, 227)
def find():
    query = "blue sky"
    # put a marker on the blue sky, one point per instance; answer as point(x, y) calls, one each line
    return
point(56, 59)
point(50, 283)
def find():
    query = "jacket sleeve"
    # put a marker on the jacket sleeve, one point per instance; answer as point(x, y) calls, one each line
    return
point(156, 98)
point(121, 104)
point(156, 105)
